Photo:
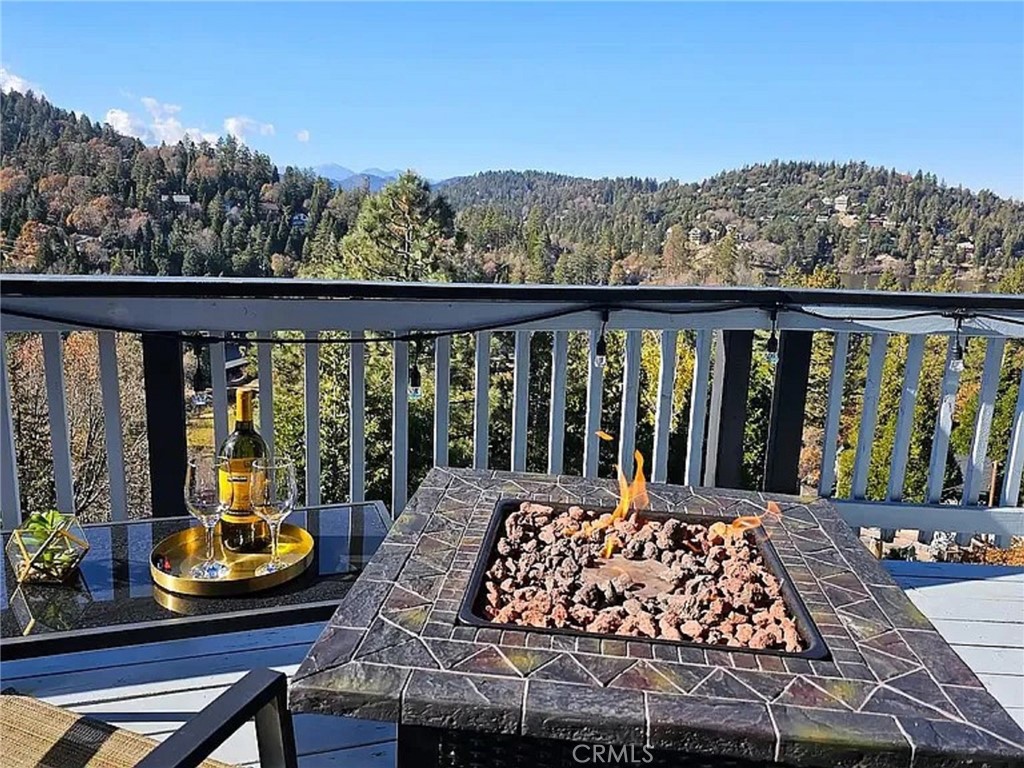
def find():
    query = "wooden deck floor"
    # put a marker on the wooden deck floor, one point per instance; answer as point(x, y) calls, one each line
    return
point(979, 609)
point(153, 689)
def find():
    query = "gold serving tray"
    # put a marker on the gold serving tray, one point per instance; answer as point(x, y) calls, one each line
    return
point(171, 559)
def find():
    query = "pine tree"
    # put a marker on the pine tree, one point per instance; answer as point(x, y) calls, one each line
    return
point(537, 268)
point(726, 259)
point(402, 234)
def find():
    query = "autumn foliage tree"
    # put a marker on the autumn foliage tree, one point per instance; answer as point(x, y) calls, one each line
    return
point(30, 415)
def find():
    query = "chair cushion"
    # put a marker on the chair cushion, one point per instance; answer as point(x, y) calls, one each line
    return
point(40, 735)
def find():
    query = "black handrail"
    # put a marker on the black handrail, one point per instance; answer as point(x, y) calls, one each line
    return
point(36, 286)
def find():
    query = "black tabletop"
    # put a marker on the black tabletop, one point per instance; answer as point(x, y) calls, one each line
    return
point(114, 602)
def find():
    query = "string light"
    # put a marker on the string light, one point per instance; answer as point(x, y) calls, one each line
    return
point(415, 388)
point(415, 384)
point(772, 345)
point(956, 362)
point(421, 336)
point(601, 348)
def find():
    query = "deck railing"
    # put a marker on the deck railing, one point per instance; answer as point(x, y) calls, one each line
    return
point(723, 321)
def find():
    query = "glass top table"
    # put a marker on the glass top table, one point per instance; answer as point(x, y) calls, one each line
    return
point(114, 602)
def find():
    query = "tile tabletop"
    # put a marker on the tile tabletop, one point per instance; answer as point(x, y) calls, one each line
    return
point(891, 693)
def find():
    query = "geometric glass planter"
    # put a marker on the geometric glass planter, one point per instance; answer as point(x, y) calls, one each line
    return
point(47, 547)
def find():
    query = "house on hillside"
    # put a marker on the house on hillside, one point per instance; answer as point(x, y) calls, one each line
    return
point(842, 203)
point(887, 262)
point(176, 199)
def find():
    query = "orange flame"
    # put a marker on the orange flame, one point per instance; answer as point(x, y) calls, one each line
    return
point(632, 496)
point(740, 524)
point(610, 543)
point(638, 490)
point(604, 435)
point(624, 496)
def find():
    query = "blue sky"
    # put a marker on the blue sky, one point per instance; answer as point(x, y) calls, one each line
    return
point(681, 90)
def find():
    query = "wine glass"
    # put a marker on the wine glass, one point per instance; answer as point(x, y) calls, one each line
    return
point(202, 497)
point(272, 494)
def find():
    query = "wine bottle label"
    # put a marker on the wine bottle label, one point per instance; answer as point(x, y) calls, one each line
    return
point(234, 490)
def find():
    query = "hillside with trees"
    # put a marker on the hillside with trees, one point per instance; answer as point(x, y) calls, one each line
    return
point(745, 226)
point(80, 198)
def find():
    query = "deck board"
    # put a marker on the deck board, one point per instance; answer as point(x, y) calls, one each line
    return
point(999, 588)
point(953, 571)
point(155, 688)
point(159, 686)
point(979, 610)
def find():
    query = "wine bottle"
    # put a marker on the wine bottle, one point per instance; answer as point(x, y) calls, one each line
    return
point(241, 529)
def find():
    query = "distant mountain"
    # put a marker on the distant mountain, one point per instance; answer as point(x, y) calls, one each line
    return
point(383, 174)
point(334, 172)
point(374, 182)
point(345, 178)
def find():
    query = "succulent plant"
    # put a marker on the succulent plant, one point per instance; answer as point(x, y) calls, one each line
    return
point(47, 546)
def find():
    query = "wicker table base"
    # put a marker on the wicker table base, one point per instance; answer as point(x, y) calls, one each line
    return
point(425, 747)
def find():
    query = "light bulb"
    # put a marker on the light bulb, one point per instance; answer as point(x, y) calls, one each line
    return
point(956, 362)
point(772, 348)
point(600, 352)
point(415, 384)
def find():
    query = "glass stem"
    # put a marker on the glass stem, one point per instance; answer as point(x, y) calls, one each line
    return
point(275, 532)
point(209, 542)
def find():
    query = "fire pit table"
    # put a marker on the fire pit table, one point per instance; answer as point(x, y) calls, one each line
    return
point(845, 670)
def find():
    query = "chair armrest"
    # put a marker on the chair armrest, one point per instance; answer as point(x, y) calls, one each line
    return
point(262, 694)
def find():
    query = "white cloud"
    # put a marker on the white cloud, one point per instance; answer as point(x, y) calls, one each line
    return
point(161, 125)
point(241, 126)
point(303, 136)
point(125, 123)
point(12, 82)
point(164, 125)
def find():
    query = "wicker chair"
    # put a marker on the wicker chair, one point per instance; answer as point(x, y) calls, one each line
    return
point(40, 735)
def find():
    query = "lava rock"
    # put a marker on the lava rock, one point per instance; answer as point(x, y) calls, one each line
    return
point(721, 592)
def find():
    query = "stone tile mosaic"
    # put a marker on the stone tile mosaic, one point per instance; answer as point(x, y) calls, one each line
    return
point(711, 726)
point(604, 669)
point(564, 668)
point(578, 713)
point(447, 700)
point(838, 738)
point(891, 693)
